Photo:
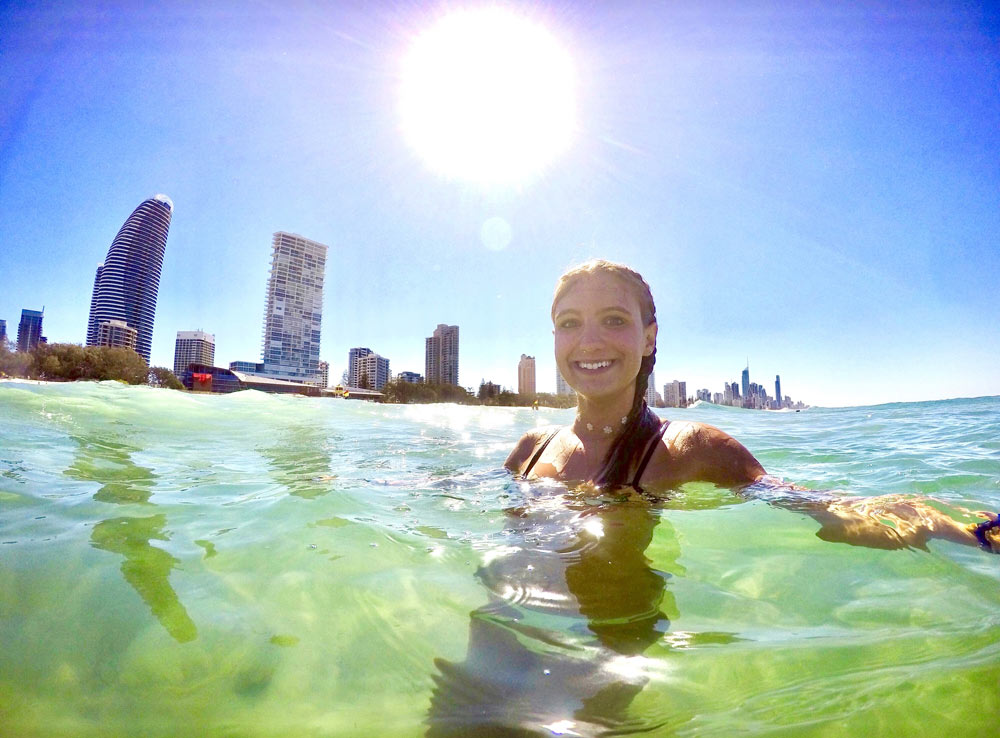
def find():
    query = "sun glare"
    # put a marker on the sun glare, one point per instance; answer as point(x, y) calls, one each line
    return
point(487, 96)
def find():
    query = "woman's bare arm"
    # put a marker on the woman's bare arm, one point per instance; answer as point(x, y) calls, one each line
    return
point(885, 521)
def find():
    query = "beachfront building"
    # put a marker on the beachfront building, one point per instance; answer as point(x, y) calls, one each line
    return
point(126, 284)
point(651, 390)
point(353, 376)
point(195, 347)
point(561, 387)
point(526, 375)
point(367, 370)
point(294, 311)
point(777, 389)
point(29, 330)
point(675, 394)
point(441, 355)
point(324, 374)
point(116, 334)
point(411, 377)
point(3, 333)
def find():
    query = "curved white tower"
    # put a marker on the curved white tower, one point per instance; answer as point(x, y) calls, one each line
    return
point(128, 281)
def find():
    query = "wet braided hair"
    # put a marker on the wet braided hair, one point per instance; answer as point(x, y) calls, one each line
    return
point(641, 423)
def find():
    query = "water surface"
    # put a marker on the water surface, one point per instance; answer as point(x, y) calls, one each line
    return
point(257, 565)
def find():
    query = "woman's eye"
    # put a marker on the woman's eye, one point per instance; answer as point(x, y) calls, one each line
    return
point(569, 323)
point(614, 320)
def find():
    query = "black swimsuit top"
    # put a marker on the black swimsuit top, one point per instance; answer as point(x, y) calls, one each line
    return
point(650, 448)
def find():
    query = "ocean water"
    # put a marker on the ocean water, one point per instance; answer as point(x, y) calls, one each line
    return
point(256, 565)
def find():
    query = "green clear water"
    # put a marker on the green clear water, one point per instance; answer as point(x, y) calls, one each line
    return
point(255, 565)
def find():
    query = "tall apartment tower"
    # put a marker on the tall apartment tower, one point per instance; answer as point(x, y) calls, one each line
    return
point(193, 347)
point(324, 374)
point(745, 381)
point(29, 330)
point(371, 370)
point(3, 332)
point(294, 312)
point(526, 375)
point(353, 375)
point(651, 390)
point(777, 389)
point(441, 355)
point(561, 387)
point(126, 284)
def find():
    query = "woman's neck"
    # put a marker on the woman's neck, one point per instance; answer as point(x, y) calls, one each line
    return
point(602, 417)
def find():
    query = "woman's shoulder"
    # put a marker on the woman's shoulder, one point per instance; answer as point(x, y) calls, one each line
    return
point(527, 445)
point(694, 451)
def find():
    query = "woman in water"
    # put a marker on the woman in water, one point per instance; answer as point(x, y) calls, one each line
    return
point(573, 602)
point(604, 323)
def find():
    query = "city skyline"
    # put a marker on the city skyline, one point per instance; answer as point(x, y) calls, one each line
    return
point(810, 186)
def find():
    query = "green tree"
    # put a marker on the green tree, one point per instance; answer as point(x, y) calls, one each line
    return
point(13, 363)
point(160, 376)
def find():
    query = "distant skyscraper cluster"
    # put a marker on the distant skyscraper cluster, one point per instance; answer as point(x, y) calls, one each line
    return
point(441, 355)
point(127, 282)
point(750, 395)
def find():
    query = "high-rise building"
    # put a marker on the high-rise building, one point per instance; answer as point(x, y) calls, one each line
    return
point(353, 376)
point(193, 347)
point(651, 390)
point(746, 381)
point(324, 374)
point(371, 370)
point(116, 334)
point(3, 333)
point(294, 313)
point(441, 355)
point(29, 330)
point(777, 389)
point(561, 387)
point(526, 375)
point(126, 284)
point(675, 394)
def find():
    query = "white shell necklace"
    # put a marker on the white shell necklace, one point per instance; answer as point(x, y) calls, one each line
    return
point(608, 430)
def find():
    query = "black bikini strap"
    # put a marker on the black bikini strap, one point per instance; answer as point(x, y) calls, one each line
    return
point(538, 453)
point(650, 450)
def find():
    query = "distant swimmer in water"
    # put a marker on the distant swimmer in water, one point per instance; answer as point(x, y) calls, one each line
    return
point(604, 323)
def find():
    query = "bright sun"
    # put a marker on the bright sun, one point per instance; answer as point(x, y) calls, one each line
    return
point(487, 96)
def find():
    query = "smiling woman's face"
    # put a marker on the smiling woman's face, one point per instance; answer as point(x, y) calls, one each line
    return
point(600, 338)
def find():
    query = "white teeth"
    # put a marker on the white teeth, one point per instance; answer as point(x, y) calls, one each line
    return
point(593, 364)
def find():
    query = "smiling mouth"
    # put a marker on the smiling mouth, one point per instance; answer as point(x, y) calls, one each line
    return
point(593, 365)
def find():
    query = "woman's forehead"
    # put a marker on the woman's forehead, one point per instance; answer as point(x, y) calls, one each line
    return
point(597, 291)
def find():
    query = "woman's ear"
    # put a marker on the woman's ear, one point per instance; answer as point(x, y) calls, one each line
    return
point(651, 330)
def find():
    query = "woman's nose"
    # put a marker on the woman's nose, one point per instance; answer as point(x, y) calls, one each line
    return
point(590, 334)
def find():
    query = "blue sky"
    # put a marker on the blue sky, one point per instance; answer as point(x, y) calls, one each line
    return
point(814, 186)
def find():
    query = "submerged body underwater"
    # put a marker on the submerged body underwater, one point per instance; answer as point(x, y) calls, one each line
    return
point(261, 565)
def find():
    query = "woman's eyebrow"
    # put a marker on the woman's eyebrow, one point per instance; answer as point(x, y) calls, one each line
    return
point(567, 311)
